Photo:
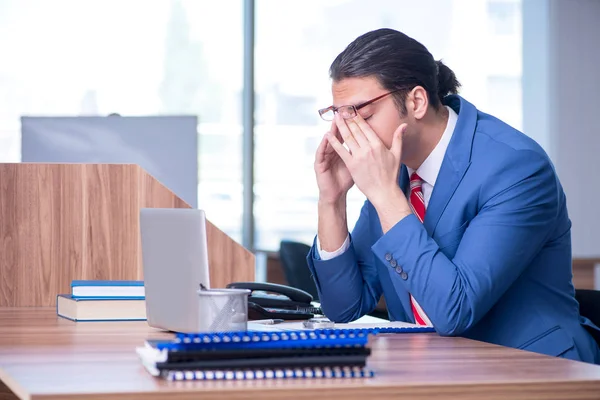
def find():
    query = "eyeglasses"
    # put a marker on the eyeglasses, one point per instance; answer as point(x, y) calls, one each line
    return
point(350, 111)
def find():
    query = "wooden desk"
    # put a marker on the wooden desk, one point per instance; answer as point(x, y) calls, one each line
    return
point(45, 357)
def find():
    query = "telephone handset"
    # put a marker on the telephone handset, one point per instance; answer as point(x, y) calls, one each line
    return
point(271, 300)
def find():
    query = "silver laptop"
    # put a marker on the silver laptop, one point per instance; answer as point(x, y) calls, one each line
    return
point(175, 263)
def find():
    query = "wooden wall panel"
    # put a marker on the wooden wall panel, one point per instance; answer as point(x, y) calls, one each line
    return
point(275, 272)
point(40, 227)
point(584, 273)
point(111, 205)
point(60, 222)
point(228, 260)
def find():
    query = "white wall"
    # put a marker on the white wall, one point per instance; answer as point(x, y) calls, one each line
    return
point(561, 98)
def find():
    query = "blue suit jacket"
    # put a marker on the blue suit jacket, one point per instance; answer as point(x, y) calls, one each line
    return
point(492, 260)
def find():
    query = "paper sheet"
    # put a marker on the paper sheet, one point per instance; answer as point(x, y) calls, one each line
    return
point(365, 322)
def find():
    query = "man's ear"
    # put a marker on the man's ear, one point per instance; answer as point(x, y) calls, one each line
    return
point(417, 102)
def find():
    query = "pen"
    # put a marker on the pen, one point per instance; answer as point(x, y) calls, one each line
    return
point(268, 321)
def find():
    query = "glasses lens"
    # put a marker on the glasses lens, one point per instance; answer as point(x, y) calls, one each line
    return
point(347, 112)
point(327, 115)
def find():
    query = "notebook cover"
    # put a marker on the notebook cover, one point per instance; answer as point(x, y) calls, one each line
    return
point(228, 354)
point(324, 338)
point(106, 283)
point(265, 340)
point(271, 362)
point(101, 298)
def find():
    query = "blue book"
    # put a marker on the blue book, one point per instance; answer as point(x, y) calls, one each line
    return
point(107, 289)
point(100, 309)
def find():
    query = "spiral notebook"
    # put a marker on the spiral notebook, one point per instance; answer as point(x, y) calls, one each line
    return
point(322, 338)
point(326, 353)
point(334, 337)
point(165, 358)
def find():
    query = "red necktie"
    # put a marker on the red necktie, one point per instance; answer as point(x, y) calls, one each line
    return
point(417, 203)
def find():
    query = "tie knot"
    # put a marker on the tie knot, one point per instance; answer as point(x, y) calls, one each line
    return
point(415, 180)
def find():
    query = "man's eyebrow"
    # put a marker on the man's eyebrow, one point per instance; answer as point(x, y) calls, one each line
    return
point(356, 103)
point(363, 102)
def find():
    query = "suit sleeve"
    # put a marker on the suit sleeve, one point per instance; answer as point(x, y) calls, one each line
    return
point(499, 243)
point(348, 285)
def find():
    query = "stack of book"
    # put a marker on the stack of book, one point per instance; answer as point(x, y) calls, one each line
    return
point(321, 353)
point(98, 300)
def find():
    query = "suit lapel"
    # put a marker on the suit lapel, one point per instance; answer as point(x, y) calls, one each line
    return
point(456, 161)
point(446, 184)
point(403, 180)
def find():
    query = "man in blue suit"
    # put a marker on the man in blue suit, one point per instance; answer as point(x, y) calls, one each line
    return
point(465, 227)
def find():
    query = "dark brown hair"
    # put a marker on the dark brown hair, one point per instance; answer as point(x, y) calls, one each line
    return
point(399, 62)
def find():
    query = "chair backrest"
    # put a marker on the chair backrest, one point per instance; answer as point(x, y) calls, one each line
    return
point(295, 268)
point(589, 307)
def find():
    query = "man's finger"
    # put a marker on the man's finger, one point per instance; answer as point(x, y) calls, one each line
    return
point(366, 129)
point(397, 141)
point(339, 148)
point(357, 133)
point(335, 132)
point(346, 134)
point(322, 149)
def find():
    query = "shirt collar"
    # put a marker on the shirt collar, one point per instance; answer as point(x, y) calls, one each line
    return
point(430, 168)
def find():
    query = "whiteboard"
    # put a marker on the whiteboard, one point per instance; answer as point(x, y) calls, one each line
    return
point(165, 146)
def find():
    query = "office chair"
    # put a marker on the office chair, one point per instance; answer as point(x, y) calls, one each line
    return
point(293, 260)
point(589, 307)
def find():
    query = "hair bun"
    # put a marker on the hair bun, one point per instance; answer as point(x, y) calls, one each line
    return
point(447, 82)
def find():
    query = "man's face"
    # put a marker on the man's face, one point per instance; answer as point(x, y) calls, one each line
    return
point(382, 115)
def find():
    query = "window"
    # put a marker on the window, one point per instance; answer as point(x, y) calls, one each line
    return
point(505, 99)
point(134, 57)
point(295, 44)
point(504, 16)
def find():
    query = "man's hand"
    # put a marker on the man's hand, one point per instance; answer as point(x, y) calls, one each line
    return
point(333, 178)
point(334, 181)
point(373, 167)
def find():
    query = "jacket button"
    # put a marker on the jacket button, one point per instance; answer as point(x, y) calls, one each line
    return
point(388, 257)
point(399, 269)
point(404, 275)
point(393, 263)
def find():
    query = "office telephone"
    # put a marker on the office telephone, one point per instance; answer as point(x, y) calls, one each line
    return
point(271, 300)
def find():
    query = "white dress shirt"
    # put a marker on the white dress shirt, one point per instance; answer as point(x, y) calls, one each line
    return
point(428, 171)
